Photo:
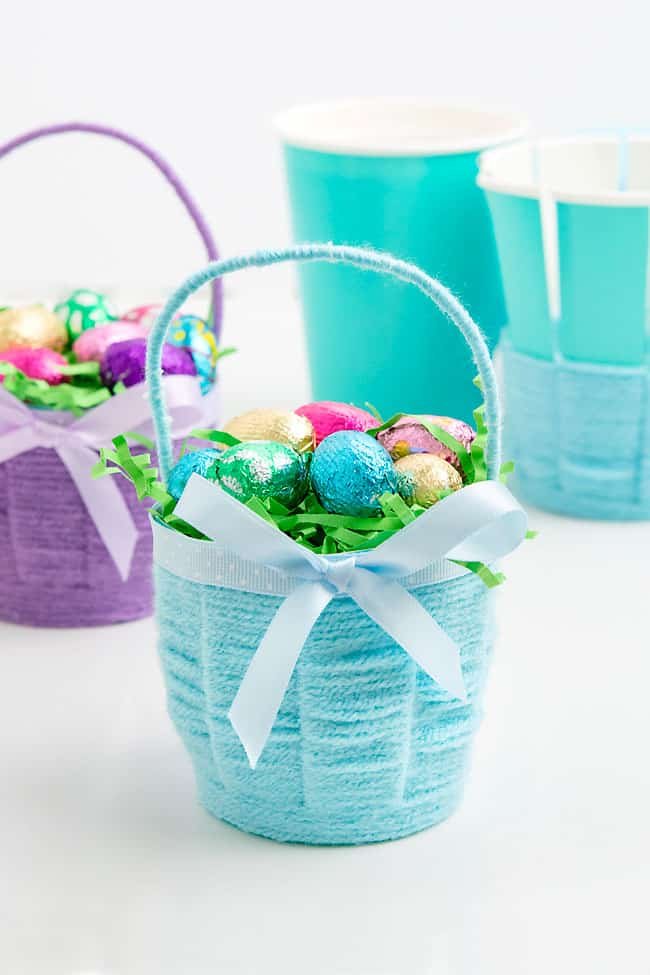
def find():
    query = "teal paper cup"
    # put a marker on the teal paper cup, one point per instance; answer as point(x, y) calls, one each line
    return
point(571, 218)
point(399, 176)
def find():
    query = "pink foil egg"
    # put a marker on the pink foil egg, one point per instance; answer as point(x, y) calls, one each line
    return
point(37, 363)
point(328, 417)
point(408, 436)
point(143, 315)
point(92, 344)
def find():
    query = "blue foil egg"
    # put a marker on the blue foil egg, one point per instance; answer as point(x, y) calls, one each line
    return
point(349, 471)
point(191, 332)
point(194, 462)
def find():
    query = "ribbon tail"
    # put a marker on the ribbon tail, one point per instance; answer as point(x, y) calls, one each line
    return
point(257, 702)
point(407, 621)
point(16, 442)
point(105, 505)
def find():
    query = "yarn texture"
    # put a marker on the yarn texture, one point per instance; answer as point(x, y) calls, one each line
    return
point(579, 434)
point(55, 570)
point(366, 746)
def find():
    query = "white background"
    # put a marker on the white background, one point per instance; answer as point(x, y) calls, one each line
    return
point(107, 864)
point(200, 80)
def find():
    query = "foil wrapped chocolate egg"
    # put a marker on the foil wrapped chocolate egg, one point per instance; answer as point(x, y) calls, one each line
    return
point(424, 478)
point(32, 326)
point(125, 362)
point(281, 426)
point(42, 364)
point(200, 461)
point(349, 472)
point(84, 309)
point(409, 436)
point(92, 344)
point(327, 417)
point(143, 315)
point(191, 332)
point(264, 469)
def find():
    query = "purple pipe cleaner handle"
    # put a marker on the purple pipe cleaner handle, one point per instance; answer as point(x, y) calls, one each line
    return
point(162, 166)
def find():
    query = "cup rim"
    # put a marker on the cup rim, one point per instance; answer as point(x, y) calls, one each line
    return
point(302, 126)
point(532, 189)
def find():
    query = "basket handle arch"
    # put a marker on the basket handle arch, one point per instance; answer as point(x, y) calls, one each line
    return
point(161, 165)
point(360, 257)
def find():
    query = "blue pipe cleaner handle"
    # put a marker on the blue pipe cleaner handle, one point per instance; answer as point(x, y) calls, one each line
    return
point(359, 257)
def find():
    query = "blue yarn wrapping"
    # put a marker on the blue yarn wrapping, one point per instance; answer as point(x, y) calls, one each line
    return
point(366, 747)
point(579, 435)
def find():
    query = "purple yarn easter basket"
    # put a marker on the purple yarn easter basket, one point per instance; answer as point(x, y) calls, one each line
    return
point(58, 567)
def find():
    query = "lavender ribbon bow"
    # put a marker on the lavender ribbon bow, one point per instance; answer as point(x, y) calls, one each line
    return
point(481, 523)
point(77, 442)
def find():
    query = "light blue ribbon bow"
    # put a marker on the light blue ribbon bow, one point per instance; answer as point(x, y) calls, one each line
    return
point(482, 522)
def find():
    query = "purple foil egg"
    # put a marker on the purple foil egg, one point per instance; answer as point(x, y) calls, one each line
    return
point(125, 362)
point(408, 436)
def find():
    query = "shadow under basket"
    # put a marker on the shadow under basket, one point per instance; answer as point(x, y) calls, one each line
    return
point(579, 434)
point(55, 569)
point(366, 747)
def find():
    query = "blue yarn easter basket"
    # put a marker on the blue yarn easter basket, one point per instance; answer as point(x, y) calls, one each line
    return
point(366, 746)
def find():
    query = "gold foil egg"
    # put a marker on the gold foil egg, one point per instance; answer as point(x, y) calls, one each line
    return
point(281, 426)
point(423, 477)
point(32, 326)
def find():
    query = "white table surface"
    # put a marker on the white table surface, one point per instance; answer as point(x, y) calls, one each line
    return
point(109, 866)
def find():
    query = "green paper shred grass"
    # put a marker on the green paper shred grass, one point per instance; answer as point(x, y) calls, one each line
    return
point(308, 524)
point(83, 392)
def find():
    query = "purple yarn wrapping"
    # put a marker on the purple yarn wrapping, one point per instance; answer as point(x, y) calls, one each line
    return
point(125, 362)
point(54, 569)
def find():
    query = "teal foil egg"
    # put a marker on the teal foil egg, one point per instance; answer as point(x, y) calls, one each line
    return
point(194, 462)
point(349, 471)
point(191, 332)
point(263, 469)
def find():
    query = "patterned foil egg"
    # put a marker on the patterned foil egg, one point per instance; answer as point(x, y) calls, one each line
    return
point(84, 309)
point(349, 471)
point(281, 426)
point(143, 315)
point(125, 362)
point(195, 462)
point(37, 363)
point(421, 478)
point(264, 469)
point(328, 417)
point(191, 332)
point(92, 344)
point(408, 436)
point(32, 326)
